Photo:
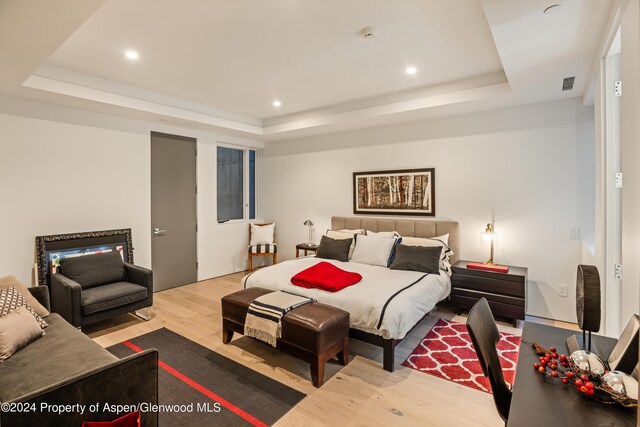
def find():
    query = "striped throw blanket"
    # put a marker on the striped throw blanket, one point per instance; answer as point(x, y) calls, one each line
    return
point(264, 316)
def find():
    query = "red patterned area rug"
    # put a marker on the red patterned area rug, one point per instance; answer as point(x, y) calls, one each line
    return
point(447, 352)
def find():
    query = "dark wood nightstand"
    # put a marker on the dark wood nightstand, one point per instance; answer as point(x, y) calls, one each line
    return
point(506, 292)
point(306, 247)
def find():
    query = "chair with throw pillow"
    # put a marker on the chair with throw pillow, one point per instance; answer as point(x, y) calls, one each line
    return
point(485, 336)
point(262, 242)
point(91, 288)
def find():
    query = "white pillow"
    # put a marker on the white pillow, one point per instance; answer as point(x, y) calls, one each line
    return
point(383, 234)
point(426, 241)
point(373, 250)
point(262, 234)
point(340, 235)
point(352, 232)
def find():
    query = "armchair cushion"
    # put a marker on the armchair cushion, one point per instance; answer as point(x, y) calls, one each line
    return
point(105, 297)
point(263, 249)
point(261, 234)
point(94, 270)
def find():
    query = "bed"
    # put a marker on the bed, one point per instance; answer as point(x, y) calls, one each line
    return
point(387, 304)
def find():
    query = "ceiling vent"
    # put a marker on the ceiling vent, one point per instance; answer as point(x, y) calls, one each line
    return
point(567, 83)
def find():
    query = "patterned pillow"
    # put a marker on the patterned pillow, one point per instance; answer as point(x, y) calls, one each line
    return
point(11, 299)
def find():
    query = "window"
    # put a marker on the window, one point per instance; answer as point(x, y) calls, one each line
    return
point(236, 183)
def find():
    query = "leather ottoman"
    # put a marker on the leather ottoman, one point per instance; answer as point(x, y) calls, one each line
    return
point(313, 332)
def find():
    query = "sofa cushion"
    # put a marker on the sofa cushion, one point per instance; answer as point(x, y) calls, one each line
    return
point(11, 299)
point(131, 419)
point(10, 280)
point(94, 270)
point(17, 330)
point(59, 355)
point(109, 296)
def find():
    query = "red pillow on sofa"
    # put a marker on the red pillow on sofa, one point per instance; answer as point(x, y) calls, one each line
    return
point(129, 420)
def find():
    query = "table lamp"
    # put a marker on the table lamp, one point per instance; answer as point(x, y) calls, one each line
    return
point(309, 224)
point(488, 237)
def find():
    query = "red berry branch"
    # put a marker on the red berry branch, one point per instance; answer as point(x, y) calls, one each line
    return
point(559, 366)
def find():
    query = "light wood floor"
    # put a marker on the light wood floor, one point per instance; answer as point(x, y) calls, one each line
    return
point(361, 393)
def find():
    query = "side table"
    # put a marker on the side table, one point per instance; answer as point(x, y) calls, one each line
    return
point(306, 247)
point(505, 292)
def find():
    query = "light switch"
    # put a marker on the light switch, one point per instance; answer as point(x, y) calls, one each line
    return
point(574, 233)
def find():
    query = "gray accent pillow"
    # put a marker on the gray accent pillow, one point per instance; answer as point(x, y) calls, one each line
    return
point(94, 270)
point(337, 249)
point(417, 258)
point(17, 330)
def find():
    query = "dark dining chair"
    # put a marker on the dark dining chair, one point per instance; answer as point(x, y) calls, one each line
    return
point(484, 335)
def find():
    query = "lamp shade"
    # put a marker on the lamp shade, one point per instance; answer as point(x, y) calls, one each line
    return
point(308, 223)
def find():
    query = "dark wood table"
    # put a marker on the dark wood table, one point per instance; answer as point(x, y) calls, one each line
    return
point(505, 292)
point(544, 401)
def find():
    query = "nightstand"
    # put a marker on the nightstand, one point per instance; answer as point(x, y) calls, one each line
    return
point(306, 247)
point(505, 292)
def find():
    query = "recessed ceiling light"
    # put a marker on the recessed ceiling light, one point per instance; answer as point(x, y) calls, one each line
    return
point(277, 103)
point(132, 54)
point(412, 70)
point(552, 9)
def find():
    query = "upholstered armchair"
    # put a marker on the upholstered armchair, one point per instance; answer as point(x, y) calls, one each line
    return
point(262, 242)
point(92, 288)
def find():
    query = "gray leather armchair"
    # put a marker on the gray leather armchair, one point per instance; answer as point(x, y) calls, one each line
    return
point(93, 288)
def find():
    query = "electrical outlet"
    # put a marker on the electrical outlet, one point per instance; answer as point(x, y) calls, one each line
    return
point(563, 290)
point(574, 233)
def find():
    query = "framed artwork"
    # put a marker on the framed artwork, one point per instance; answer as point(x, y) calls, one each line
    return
point(51, 249)
point(397, 192)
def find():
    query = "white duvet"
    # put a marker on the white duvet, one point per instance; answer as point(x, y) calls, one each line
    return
point(365, 301)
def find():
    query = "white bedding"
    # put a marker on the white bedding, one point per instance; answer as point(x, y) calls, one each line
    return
point(365, 301)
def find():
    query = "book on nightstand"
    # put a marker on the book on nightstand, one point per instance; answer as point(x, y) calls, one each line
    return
point(488, 267)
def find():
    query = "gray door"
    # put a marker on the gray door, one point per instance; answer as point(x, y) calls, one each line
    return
point(173, 210)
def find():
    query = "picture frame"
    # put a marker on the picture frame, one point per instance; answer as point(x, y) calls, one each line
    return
point(395, 192)
point(624, 356)
point(50, 249)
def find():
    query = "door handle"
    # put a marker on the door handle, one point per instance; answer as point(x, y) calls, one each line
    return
point(157, 231)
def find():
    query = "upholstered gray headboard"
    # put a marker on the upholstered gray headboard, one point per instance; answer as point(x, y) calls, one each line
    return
point(406, 227)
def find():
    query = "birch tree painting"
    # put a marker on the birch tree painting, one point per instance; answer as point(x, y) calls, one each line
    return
point(403, 192)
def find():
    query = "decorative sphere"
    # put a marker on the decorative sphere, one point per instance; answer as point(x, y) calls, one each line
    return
point(586, 363)
point(621, 384)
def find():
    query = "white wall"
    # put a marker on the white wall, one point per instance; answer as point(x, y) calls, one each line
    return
point(62, 178)
point(66, 170)
point(522, 166)
point(222, 248)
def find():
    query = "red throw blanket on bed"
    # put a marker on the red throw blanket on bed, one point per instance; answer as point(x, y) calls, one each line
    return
point(325, 276)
